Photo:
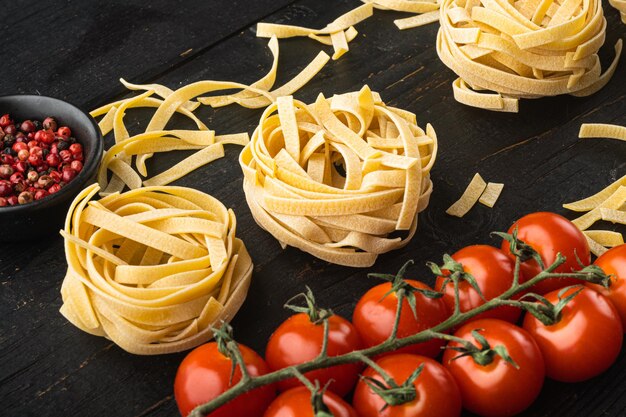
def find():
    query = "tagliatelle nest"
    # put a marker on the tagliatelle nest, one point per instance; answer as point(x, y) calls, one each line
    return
point(152, 269)
point(335, 178)
point(522, 49)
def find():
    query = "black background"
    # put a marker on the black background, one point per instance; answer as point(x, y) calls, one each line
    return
point(77, 50)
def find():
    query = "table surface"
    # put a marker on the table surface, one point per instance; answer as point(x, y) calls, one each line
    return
point(77, 50)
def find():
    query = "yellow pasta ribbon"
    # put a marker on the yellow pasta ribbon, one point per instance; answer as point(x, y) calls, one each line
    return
point(506, 50)
point(152, 269)
point(336, 177)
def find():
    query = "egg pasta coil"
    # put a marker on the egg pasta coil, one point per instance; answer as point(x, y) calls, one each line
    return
point(338, 177)
point(152, 269)
point(503, 51)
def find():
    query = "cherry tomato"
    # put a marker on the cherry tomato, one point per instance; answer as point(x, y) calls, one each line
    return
point(585, 342)
point(613, 262)
point(493, 271)
point(549, 234)
point(205, 373)
point(375, 313)
point(298, 340)
point(499, 388)
point(437, 392)
point(296, 402)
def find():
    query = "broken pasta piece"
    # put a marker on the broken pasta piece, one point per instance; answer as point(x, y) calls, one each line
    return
point(606, 238)
point(417, 20)
point(354, 16)
point(469, 198)
point(606, 205)
point(428, 11)
point(152, 269)
point(594, 246)
point(491, 194)
point(336, 177)
point(337, 33)
point(600, 130)
point(506, 50)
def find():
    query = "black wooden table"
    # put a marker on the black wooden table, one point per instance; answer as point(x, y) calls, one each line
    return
point(76, 50)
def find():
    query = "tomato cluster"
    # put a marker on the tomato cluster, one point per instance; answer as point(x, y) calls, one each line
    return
point(491, 366)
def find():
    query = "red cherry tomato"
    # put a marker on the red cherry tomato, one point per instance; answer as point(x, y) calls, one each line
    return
point(493, 271)
point(585, 342)
point(613, 262)
point(375, 313)
point(296, 402)
point(205, 373)
point(497, 389)
point(298, 340)
point(437, 392)
point(549, 234)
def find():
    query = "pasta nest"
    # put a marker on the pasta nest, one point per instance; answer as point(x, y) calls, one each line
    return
point(152, 269)
point(337, 177)
point(523, 49)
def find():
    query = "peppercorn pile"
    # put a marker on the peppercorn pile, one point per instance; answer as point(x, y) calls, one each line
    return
point(36, 159)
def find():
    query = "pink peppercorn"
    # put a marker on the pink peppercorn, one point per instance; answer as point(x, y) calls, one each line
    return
point(76, 165)
point(49, 123)
point(53, 159)
point(66, 156)
point(41, 194)
point(68, 175)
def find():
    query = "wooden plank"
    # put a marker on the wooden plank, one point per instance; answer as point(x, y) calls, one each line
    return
point(78, 50)
point(47, 365)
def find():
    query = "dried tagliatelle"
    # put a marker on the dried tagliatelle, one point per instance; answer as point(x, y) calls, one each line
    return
point(258, 95)
point(607, 205)
point(116, 171)
point(337, 33)
point(428, 11)
point(335, 178)
point(621, 6)
point(491, 194)
point(469, 198)
point(152, 269)
point(506, 50)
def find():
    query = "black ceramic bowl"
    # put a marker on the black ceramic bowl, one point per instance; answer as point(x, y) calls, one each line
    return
point(46, 216)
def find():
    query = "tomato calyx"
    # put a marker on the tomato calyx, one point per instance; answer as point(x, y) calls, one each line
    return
point(453, 271)
point(320, 409)
point(548, 313)
point(596, 275)
point(403, 289)
point(484, 354)
point(519, 248)
point(227, 346)
point(545, 311)
point(392, 393)
point(316, 314)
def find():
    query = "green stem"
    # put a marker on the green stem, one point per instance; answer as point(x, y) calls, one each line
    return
point(383, 374)
point(324, 351)
point(518, 264)
point(396, 321)
point(303, 379)
point(457, 298)
point(390, 344)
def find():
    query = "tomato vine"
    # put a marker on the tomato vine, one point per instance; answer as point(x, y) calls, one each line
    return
point(591, 274)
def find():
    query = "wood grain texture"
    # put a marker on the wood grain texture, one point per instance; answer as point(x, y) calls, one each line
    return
point(50, 368)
